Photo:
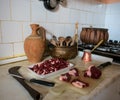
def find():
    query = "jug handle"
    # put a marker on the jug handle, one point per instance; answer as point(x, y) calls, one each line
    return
point(41, 32)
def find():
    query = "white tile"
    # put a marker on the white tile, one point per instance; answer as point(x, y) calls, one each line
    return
point(101, 8)
point(87, 5)
point(50, 30)
point(114, 8)
point(104, 8)
point(11, 32)
point(20, 10)
point(112, 20)
point(0, 34)
point(0, 38)
point(53, 16)
point(89, 17)
point(26, 30)
point(113, 31)
point(108, 9)
point(18, 48)
point(85, 25)
point(83, 17)
point(64, 15)
point(69, 29)
point(38, 11)
point(79, 29)
point(71, 3)
point(4, 9)
point(42, 24)
point(35, 0)
point(94, 6)
point(95, 18)
point(6, 50)
point(50, 27)
point(101, 19)
point(80, 4)
point(59, 30)
point(74, 16)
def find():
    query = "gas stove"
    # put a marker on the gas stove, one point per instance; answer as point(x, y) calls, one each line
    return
point(110, 49)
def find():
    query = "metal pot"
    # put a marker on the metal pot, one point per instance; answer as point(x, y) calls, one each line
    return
point(50, 4)
point(64, 52)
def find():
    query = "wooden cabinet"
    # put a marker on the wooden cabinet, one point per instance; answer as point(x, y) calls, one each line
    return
point(109, 1)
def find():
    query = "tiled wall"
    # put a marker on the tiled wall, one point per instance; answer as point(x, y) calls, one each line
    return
point(112, 21)
point(17, 15)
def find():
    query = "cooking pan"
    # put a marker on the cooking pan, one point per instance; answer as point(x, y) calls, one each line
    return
point(50, 4)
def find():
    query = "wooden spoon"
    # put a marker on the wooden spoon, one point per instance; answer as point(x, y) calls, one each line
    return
point(53, 42)
point(68, 40)
point(61, 40)
point(75, 37)
point(97, 45)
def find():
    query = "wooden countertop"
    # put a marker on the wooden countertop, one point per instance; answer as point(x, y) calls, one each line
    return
point(10, 89)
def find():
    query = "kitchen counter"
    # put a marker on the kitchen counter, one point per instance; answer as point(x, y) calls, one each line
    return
point(10, 89)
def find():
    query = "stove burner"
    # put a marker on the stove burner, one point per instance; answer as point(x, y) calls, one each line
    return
point(116, 50)
point(109, 49)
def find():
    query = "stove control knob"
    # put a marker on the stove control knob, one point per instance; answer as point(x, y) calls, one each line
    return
point(110, 41)
point(115, 41)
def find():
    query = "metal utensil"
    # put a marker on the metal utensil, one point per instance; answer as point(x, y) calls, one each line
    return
point(41, 82)
point(34, 94)
point(103, 65)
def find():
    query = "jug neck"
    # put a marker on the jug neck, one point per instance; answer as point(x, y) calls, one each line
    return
point(34, 28)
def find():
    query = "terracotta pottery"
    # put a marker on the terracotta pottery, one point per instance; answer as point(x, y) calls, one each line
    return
point(94, 35)
point(34, 45)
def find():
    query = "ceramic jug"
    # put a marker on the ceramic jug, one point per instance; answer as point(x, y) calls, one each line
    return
point(34, 45)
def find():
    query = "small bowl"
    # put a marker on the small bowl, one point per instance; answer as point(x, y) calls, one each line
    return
point(64, 52)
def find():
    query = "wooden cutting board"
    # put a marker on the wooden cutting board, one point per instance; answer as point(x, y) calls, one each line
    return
point(60, 86)
point(64, 86)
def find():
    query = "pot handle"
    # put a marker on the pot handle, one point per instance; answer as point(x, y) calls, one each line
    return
point(42, 33)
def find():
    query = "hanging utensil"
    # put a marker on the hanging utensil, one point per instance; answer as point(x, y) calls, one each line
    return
point(33, 80)
point(50, 4)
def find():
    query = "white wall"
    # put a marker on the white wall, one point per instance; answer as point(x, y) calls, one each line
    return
point(17, 15)
point(112, 20)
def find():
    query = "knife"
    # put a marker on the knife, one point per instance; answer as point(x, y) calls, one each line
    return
point(41, 82)
point(35, 94)
point(103, 65)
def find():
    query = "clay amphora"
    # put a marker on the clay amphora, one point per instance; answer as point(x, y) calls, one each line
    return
point(34, 45)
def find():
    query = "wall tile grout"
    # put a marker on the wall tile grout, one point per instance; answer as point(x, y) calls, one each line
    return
point(35, 11)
